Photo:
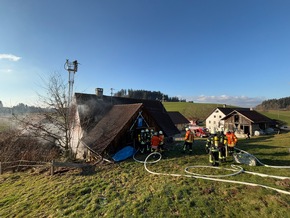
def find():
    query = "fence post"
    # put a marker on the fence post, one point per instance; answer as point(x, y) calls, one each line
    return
point(0, 168)
point(52, 168)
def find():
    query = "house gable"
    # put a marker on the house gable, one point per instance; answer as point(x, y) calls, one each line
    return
point(244, 122)
point(215, 122)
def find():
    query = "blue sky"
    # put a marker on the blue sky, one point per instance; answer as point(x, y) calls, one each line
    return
point(213, 51)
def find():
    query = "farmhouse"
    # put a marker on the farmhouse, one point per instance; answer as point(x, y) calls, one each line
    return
point(240, 120)
point(247, 121)
point(105, 124)
point(214, 120)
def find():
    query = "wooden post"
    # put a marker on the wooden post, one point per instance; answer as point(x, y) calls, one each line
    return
point(0, 168)
point(52, 168)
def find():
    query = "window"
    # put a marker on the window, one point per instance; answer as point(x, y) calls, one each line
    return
point(236, 118)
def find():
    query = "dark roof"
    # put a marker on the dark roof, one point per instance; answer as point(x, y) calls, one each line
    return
point(227, 110)
point(252, 115)
point(101, 136)
point(100, 104)
point(177, 117)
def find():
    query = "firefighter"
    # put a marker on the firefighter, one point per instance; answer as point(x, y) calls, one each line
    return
point(222, 146)
point(148, 140)
point(188, 140)
point(209, 140)
point(142, 141)
point(155, 142)
point(232, 141)
point(161, 141)
point(213, 149)
point(151, 133)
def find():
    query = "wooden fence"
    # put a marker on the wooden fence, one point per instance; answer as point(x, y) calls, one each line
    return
point(24, 164)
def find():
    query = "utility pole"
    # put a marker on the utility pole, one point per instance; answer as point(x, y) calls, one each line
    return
point(112, 95)
point(72, 68)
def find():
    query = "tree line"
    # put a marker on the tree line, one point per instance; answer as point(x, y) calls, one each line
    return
point(148, 95)
point(274, 104)
point(20, 109)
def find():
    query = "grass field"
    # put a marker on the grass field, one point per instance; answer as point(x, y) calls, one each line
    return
point(126, 189)
point(281, 115)
point(191, 110)
point(202, 111)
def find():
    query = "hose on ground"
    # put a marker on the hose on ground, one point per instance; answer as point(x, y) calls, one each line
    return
point(236, 169)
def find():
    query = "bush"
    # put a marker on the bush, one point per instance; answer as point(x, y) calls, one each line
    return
point(14, 146)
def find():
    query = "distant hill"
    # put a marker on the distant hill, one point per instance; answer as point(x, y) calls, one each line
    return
point(274, 104)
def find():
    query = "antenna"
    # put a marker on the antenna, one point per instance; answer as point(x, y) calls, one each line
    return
point(72, 68)
point(112, 89)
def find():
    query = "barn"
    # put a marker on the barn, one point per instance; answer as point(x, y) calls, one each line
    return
point(247, 121)
point(105, 124)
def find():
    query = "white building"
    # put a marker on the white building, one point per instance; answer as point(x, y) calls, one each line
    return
point(214, 121)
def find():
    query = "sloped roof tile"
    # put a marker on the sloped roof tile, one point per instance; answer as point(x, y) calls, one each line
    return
point(252, 115)
point(177, 117)
point(100, 137)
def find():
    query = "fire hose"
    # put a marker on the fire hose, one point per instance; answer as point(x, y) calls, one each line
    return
point(234, 168)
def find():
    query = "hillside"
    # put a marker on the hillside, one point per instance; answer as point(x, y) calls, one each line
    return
point(202, 110)
point(192, 110)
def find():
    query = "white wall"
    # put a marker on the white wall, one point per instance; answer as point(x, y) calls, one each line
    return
point(214, 123)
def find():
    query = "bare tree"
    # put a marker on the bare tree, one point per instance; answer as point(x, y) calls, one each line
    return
point(54, 123)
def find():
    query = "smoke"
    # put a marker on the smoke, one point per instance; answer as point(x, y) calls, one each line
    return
point(92, 110)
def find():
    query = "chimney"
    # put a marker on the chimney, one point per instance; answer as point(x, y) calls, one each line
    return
point(99, 92)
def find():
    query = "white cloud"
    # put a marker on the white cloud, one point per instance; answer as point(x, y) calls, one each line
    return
point(6, 71)
point(242, 101)
point(9, 57)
